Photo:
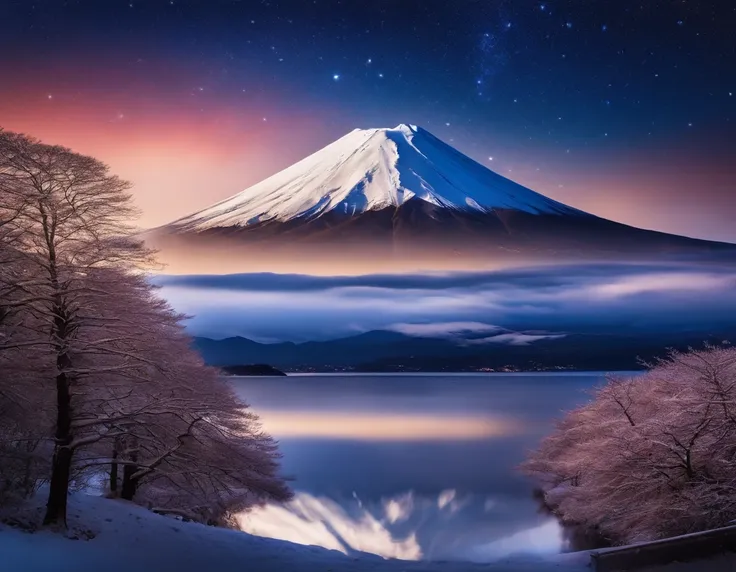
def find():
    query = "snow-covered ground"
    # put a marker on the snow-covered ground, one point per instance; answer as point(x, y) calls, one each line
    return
point(116, 536)
point(128, 537)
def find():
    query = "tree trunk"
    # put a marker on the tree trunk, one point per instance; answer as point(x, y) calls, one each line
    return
point(114, 471)
point(130, 485)
point(61, 464)
point(59, 487)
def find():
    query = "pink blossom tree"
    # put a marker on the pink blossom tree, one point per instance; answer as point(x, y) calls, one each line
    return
point(650, 456)
point(128, 391)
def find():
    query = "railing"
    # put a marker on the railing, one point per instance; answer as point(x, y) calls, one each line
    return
point(696, 546)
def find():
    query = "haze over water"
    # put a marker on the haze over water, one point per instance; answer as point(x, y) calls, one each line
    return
point(412, 466)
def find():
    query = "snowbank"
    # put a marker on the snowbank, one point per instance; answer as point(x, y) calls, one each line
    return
point(128, 537)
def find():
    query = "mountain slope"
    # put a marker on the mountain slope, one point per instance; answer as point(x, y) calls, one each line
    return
point(395, 200)
point(371, 170)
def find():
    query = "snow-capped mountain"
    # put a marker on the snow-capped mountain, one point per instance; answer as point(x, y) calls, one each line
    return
point(371, 170)
point(395, 199)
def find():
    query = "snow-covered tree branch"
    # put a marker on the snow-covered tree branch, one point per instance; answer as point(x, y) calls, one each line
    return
point(650, 456)
point(102, 362)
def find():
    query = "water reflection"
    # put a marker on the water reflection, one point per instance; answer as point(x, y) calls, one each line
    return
point(375, 426)
point(324, 522)
point(412, 466)
point(406, 527)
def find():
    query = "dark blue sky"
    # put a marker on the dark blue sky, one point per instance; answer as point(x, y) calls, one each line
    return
point(625, 109)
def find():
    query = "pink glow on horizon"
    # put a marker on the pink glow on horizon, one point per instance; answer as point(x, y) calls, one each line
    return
point(180, 155)
point(184, 148)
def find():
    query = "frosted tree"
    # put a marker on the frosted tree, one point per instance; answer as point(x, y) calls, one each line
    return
point(129, 393)
point(170, 430)
point(73, 220)
point(23, 422)
point(651, 456)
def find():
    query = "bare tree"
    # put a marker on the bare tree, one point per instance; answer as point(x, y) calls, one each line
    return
point(75, 221)
point(129, 392)
point(168, 426)
point(651, 456)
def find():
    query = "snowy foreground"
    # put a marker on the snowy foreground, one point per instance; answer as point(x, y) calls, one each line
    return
point(127, 537)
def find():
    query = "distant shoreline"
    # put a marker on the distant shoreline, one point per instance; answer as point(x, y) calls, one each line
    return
point(441, 373)
point(259, 370)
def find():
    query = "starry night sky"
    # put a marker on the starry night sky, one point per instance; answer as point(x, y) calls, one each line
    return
point(624, 109)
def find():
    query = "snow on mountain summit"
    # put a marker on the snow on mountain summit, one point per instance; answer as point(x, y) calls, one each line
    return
point(369, 170)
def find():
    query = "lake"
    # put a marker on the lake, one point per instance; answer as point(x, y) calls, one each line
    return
point(412, 466)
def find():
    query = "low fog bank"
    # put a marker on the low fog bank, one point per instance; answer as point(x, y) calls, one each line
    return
point(538, 301)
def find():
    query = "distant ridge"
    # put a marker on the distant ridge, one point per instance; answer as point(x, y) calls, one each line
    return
point(386, 351)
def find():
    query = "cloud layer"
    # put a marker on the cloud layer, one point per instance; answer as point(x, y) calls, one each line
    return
point(517, 306)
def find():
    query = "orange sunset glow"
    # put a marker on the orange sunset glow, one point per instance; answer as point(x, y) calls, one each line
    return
point(183, 147)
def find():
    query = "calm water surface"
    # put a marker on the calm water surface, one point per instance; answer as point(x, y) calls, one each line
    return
point(412, 466)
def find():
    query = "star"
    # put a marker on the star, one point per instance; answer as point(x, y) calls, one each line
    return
point(380, 75)
point(689, 124)
point(542, 7)
point(490, 158)
point(448, 124)
point(49, 96)
point(568, 25)
point(604, 27)
point(336, 77)
point(265, 119)
point(370, 61)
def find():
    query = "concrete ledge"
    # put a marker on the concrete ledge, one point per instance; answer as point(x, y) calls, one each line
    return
point(697, 546)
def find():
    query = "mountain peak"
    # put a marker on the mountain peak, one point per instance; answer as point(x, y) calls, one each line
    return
point(407, 128)
point(397, 199)
point(370, 170)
